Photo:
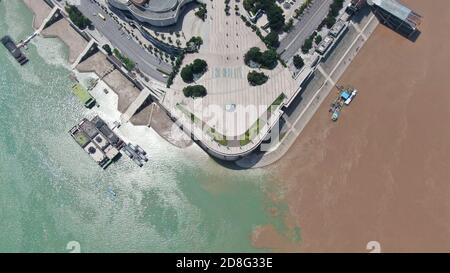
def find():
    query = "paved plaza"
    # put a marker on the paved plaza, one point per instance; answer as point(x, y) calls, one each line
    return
point(224, 48)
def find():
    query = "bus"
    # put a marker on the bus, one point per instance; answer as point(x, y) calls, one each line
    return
point(101, 16)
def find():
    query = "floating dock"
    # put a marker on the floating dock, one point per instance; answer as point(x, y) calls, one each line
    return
point(14, 50)
point(345, 97)
point(83, 95)
point(98, 140)
point(136, 153)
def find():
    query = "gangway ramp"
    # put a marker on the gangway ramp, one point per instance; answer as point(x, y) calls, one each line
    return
point(39, 30)
point(137, 103)
point(84, 52)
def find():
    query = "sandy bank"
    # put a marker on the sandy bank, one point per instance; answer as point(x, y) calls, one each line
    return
point(40, 9)
point(62, 30)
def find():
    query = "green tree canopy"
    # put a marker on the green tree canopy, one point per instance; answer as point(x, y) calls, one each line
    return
point(77, 17)
point(298, 61)
point(271, 39)
point(267, 59)
point(107, 48)
point(187, 74)
point(194, 91)
point(256, 78)
point(199, 66)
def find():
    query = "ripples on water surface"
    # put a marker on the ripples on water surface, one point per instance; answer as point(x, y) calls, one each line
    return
point(51, 192)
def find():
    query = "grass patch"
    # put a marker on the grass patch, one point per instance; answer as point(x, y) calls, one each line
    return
point(254, 130)
point(81, 139)
point(219, 138)
point(250, 133)
point(127, 63)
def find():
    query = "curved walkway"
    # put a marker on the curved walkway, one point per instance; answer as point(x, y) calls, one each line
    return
point(260, 160)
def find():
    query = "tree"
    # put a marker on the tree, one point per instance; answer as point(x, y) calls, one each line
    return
point(127, 63)
point(194, 91)
point(254, 54)
point(298, 61)
point(288, 26)
point(107, 48)
point(274, 13)
point(194, 43)
point(249, 5)
point(199, 66)
point(269, 58)
point(318, 39)
point(307, 45)
point(187, 74)
point(201, 13)
point(275, 17)
point(77, 17)
point(330, 21)
point(271, 39)
point(256, 78)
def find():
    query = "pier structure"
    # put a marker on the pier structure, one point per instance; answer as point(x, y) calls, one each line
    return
point(135, 105)
point(14, 50)
point(396, 16)
point(90, 47)
point(54, 15)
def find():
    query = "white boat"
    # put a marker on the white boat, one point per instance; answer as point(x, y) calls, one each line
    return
point(127, 153)
point(139, 149)
point(349, 100)
point(143, 157)
point(138, 162)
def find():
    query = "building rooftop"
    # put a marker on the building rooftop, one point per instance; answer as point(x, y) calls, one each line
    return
point(139, 2)
point(162, 5)
point(97, 140)
point(398, 10)
point(337, 28)
point(94, 152)
point(156, 5)
point(153, 12)
point(393, 7)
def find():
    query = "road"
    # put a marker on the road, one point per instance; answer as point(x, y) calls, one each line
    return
point(307, 24)
point(146, 62)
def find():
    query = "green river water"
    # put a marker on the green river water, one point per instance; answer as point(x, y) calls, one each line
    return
point(52, 193)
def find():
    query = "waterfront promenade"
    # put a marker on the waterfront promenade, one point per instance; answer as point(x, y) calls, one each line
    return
point(228, 90)
point(323, 82)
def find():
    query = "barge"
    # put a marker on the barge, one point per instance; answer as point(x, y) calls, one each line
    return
point(14, 50)
point(345, 97)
